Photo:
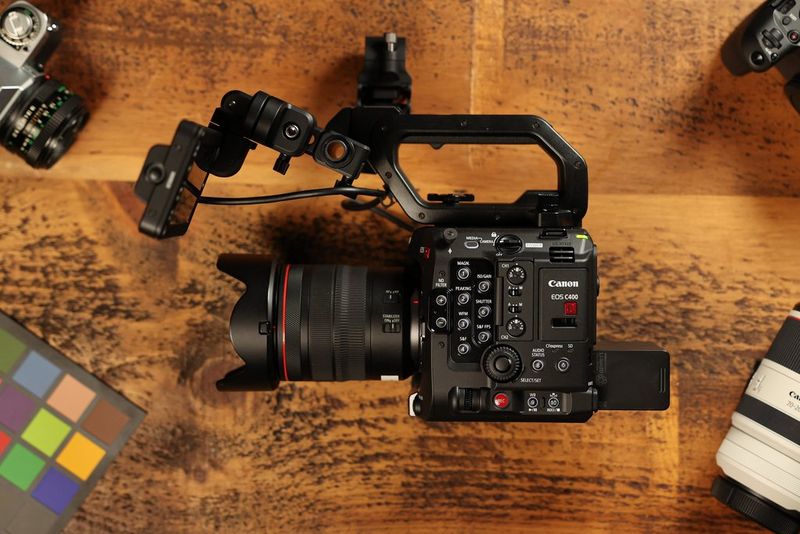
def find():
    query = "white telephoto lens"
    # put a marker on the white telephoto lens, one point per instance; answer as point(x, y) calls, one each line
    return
point(760, 456)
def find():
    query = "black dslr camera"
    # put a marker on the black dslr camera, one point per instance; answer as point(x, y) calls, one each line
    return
point(39, 117)
point(768, 37)
point(495, 315)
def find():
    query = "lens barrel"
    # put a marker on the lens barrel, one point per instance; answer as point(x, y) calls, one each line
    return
point(317, 322)
point(44, 122)
point(760, 455)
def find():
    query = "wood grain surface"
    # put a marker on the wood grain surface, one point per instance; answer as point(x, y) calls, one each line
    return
point(694, 205)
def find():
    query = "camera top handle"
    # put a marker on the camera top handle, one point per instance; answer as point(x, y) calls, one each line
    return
point(390, 128)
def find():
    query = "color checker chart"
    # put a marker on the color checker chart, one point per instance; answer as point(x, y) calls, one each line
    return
point(60, 429)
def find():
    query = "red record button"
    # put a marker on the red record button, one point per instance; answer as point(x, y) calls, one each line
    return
point(570, 308)
point(501, 400)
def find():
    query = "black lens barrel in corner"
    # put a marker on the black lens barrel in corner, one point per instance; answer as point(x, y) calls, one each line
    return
point(755, 507)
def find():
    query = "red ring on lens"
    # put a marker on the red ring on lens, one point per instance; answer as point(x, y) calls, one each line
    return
point(283, 320)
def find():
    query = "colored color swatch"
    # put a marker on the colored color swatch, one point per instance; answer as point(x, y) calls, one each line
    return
point(71, 398)
point(10, 350)
point(80, 456)
point(21, 466)
point(60, 428)
point(105, 422)
point(36, 374)
point(5, 441)
point(46, 432)
point(16, 408)
point(55, 490)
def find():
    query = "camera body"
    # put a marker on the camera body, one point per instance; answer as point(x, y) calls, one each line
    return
point(768, 37)
point(511, 317)
point(494, 316)
point(39, 116)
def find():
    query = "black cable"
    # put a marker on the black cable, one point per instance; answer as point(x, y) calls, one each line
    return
point(357, 205)
point(297, 195)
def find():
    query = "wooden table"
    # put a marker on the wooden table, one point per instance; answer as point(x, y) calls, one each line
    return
point(694, 204)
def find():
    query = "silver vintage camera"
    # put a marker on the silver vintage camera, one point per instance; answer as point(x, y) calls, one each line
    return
point(39, 117)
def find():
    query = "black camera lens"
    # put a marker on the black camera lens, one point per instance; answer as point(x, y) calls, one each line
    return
point(44, 122)
point(318, 322)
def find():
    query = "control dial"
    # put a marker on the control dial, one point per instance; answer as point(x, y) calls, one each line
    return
point(19, 26)
point(515, 327)
point(516, 275)
point(502, 364)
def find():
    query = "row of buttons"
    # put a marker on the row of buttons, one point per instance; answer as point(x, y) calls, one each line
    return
point(562, 365)
point(503, 401)
point(464, 274)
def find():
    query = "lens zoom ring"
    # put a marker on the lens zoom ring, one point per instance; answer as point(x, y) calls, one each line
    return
point(785, 349)
point(350, 322)
point(320, 319)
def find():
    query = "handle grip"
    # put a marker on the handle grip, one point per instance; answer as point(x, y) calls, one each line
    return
point(568, 204)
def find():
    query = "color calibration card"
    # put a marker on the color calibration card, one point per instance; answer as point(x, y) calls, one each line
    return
point(60, 428)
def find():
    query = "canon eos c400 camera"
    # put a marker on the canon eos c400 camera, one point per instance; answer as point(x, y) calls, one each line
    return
point(39, 117)
point(495, 315)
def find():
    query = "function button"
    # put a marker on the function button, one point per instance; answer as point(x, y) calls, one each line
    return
point(463, 349)
point(786, 21)
point(484, 336)
point(472, 245)
point(537, 365)
point(514, 291)
point(516, 275)
point(772, 38)
point(441, 300)
point(515, 327)
point(441, 323)
point(463, 273)
point(463, 298)
point(533, 402)
point(501, 400)
point(563, 365)
point(484, 312)
point(484, 286)
point(508, 244)
point(514, 308)
point(462, 324)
